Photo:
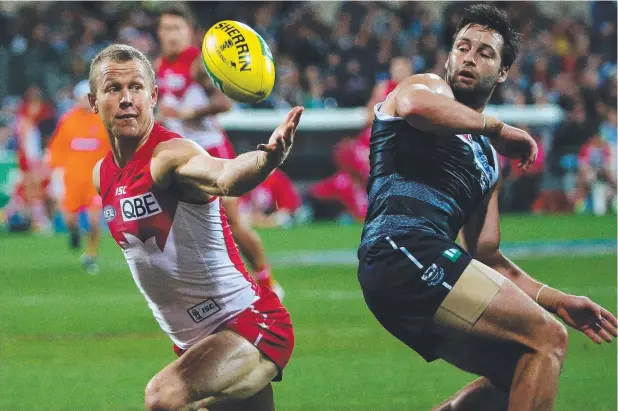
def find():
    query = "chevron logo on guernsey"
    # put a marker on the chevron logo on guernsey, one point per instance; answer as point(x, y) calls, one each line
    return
point(452, 254)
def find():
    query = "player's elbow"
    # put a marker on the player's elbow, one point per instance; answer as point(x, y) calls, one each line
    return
point(409, 106)
point(490, 255)
point(223, 187)
point(416, 107)
point(228, 184)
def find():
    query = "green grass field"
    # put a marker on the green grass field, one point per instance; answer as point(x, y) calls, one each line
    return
point(71, 341)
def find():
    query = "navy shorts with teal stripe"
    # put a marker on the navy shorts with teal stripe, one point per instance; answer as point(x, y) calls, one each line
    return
point(405, 278)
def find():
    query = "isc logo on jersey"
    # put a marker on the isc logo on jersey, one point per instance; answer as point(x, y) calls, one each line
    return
point(138, 207)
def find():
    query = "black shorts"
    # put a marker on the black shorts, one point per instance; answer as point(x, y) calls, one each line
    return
point(405, 278)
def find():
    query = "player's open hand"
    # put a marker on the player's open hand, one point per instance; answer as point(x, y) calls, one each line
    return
point(515, 143)
point(588, 317)
point(281, 140)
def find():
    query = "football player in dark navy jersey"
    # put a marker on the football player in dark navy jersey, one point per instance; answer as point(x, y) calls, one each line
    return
point(434, 177)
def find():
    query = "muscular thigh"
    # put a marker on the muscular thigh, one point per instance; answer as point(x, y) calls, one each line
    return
point(262, 401)
point(485, 304)
point(486, 323)
point(495, 360)
point(221, 367)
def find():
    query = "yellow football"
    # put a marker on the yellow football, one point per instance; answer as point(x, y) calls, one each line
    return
point(238, 61)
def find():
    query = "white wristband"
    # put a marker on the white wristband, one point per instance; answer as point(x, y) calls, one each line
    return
point(539, 293)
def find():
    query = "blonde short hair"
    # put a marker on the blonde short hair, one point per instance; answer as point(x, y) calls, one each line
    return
point(119, 53)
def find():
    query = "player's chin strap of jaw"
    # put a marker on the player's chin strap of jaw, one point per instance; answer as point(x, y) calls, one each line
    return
point(549, 298)
point(492, 127)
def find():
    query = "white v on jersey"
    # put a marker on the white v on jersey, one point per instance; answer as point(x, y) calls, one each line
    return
point(182, 256)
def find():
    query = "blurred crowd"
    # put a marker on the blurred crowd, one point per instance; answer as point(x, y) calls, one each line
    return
point(337, 54)
point(318, 63)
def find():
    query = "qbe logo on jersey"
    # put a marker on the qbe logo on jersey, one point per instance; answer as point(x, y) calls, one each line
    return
point(138, 207)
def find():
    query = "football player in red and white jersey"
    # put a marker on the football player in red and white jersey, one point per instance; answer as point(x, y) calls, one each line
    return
point(188, 103)
point(399, 70)
point(347, 187)
point(162, 202)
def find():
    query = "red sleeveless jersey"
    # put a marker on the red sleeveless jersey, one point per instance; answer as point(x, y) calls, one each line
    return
point(182, 255)
point(132, 202)
point(178, 89)
point(174, 76)
point(390, 86)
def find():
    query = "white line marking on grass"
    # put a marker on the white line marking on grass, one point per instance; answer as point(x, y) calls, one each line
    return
point(349, 295)
point(535, 250)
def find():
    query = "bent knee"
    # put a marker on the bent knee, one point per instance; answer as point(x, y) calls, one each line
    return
point(165, 394)
point(552, 339)
point(252, 384)
point(559, 339)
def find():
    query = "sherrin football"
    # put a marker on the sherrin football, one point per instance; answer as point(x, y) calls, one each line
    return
point(238, 61)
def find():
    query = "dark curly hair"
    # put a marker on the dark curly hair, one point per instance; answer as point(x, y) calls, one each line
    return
point(495, 19)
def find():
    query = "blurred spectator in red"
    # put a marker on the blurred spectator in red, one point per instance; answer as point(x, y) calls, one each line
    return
point(609, 134)
point(341, 196)
point(522, 188)
point(34, 123)
point(346, 189)
point(400, 69)
point(35, 108)
point(273, 203)
point(596, 183)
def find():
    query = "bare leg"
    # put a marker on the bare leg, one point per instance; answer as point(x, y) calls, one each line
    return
point(94, 217)
point(262, 401)
point(511, 317)
point(221, 370)
point(72, 226)
point(250, 245)
point(479, 395)
point(248, 240)
point(497, 360)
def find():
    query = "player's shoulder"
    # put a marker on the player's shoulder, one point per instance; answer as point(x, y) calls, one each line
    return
point(170, 154)
point(427, 81)
point(96, 175)
point(174, 150)
point(192, 52)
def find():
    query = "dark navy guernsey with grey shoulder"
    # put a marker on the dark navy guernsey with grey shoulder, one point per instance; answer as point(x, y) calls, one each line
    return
point(419, 181)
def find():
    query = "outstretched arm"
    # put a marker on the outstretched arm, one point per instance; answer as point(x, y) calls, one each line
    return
point(481, 238)
point(427, 103)
point(186, 162)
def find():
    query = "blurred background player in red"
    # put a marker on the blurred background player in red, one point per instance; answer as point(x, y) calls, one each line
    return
point(596, 183)
point(34, 117)
point(188, 104)
point(344, 193)
point(520, 188)
point(273, 203)
point(400, 69)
